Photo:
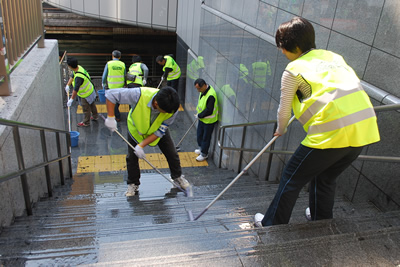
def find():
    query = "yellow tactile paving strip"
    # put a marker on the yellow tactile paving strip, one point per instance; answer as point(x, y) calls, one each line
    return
point(101, 108)
point(111, 163)
point(124, 108)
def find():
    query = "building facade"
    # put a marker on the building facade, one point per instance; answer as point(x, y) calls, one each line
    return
point(235, 41)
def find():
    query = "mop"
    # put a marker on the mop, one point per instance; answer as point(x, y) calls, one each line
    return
point(188, 192)
point(237, 177)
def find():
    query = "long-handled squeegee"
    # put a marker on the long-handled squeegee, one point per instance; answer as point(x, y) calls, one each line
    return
point(237, 177)
point(191, 126)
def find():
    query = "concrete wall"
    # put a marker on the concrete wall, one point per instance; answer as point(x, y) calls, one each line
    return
point(155, 14)
point(232, 35)
point(36, 99)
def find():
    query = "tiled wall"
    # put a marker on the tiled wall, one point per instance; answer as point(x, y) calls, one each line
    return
point(236, 36)
point(155, 14)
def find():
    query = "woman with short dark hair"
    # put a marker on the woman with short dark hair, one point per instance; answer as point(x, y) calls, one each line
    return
point(328, 100)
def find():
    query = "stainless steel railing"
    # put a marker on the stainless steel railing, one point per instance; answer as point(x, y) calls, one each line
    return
point(23, 170)
point(244, 126)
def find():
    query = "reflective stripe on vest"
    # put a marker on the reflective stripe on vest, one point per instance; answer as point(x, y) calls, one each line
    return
point(176, 71)
point(135, 69)
point(338, 113)
point(202, 104)
point(116, 74)
point(139, 117)
point(86, 87)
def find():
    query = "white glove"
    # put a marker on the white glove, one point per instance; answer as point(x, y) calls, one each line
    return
point(195, 115)
point(111, 123)
point(69, 103)
point(144, 82)
point(67, 89)
point(139, 152)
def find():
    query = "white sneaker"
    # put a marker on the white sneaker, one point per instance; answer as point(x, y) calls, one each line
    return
point(132, 190)
point(308, 214)
point(197, 151)
point(201, 158)
point(182, 182)
point(257, 219)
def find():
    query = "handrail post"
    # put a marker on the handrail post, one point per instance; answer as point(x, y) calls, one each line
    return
point(241, 148)
point(46, 160)
point(60, 165)
point(222, 150)
point(21, 165)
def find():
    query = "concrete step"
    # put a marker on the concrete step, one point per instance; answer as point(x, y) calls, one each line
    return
point(203, 240)
point(99, 224)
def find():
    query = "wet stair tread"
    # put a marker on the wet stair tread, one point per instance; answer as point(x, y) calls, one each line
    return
point(103, 225)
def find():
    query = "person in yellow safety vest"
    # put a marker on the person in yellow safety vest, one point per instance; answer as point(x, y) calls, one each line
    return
point(152, 112)
point(207, 113)
point(261, 70)
point(171, 70)
point(195, 68)
point(336, 113)
point(83, 89)
point(244, 73)
point(114, 76)
point(137, 74)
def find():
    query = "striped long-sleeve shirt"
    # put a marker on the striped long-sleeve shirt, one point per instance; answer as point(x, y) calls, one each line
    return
point(290, 86)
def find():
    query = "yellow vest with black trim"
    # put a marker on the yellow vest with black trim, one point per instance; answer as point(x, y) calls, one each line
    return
point(202, 104)
point(86, 87)
point(139, 118)
point(176, 71)
point(116, 74)
point(135, 69)
point(338, 113)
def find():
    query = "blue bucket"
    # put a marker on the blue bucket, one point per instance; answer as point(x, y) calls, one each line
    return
point(74, 138)
point(102, 95)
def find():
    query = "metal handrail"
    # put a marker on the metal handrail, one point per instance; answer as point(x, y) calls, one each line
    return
point(392, 107)
point(241, 149)
point(22, 171)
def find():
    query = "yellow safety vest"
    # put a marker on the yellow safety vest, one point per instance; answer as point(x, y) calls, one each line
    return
point(202, 106)
point(260, 72)
point(139, 118)
point(176, 71)
point(194, 67)
point(338, 113)
point(116, 74)
point(86, 87)
point(135, 69)
point(244, 72)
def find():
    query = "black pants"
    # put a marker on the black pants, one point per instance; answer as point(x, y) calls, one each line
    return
point(321, 167)
point(174, 84)
point(166, 146)
point(204, 134)
point(133, 85)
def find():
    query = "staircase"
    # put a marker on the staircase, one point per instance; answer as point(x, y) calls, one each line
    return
point(90, 222)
